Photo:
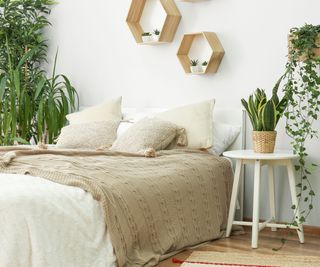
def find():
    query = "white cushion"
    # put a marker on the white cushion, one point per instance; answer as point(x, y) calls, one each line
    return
point(197, 119)
point(123, 127)
point(223, 137)
point(91, 135)
point(149, 133)
point(110, 110)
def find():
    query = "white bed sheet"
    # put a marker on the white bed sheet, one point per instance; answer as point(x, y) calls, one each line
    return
point(45, 224)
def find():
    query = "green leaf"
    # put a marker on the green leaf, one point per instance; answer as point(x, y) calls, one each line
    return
point(269, 116)
point(39, 87)
point(26, 56)
point(16, 77)
point(21, 140)
point(3, 83)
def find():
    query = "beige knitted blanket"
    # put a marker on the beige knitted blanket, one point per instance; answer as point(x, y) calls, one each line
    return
point(153, 206)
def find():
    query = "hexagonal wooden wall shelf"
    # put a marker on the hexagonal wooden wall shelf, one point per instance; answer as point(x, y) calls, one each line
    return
point(170, 25)
point(215, 46)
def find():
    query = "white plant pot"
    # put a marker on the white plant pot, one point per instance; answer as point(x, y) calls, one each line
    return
point(204, 68)
point(195, 69)
point(147, 39)
point(156, 38)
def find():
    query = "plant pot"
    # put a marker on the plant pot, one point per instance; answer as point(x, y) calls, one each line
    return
point(156, 38)
point(147, 39)
point(316, 51)
point(195, 69)
point(264, 141)
point(204, 68)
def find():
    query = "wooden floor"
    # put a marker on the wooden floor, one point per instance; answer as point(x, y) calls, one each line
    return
point(267, 241)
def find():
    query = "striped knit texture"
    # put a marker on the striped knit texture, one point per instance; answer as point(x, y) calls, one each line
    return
point(153, 206)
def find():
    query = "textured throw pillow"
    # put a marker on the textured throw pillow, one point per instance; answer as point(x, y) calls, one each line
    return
point(92, 135)
point(223, 137)
point(149, 133)
point(110, 110)
point(196, 119)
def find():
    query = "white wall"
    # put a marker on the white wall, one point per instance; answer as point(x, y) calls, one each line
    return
point(99, 54)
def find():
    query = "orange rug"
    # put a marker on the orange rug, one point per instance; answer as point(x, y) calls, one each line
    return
point(227, 259)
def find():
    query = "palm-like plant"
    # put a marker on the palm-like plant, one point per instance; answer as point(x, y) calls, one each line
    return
point(32, 105)
point(56, 97)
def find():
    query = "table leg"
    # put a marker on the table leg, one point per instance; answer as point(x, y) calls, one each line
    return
point(292, 183)
point(234, 196)
point(272, 205)
point(256, 193)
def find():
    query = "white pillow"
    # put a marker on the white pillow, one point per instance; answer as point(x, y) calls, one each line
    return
point(223, 137)
point(91, 135)
point(110, 110)
point(123, 127)
point(197, 119)
point(149, 133)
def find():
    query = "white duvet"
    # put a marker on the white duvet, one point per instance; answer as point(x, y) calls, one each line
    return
point(44, 224)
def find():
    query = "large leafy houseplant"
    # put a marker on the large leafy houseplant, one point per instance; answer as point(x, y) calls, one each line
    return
point(264, 115)
point(32, 105)
point(302, 87)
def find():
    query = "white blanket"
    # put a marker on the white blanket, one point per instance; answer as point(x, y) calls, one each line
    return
point(44, 224)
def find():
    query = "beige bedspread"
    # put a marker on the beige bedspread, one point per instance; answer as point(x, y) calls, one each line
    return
point(153, 206)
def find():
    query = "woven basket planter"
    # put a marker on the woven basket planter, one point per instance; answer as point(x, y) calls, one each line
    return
point(264, 141)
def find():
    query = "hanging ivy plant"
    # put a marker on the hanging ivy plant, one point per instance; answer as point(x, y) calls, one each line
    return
point(302, 87)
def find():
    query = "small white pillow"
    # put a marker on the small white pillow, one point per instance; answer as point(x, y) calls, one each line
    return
point(223, 137)
point(110, 110)
point(197, 119)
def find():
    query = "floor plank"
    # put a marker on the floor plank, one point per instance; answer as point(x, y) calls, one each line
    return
point(267, 241)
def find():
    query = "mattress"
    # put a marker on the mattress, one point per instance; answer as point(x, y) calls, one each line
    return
point(153, 207)
point(46, 224)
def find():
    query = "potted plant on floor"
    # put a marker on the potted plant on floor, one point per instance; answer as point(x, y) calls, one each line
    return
point(156, 35)
point(33, 104)
point(264, 115)
point(194, 65)
point(146, 37)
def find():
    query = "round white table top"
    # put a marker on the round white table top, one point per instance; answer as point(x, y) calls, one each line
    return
point(250, 154)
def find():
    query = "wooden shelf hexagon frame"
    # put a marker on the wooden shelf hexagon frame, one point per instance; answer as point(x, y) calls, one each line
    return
point(217, 51)
point(169, 27)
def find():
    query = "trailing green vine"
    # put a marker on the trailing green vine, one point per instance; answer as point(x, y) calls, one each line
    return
point(302, 88)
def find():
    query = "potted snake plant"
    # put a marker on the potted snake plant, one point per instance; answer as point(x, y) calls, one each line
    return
point(264, 115)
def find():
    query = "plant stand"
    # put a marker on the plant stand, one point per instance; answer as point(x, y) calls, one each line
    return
point(278, 158)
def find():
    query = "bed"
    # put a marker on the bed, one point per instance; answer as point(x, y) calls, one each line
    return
point(44, 222)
